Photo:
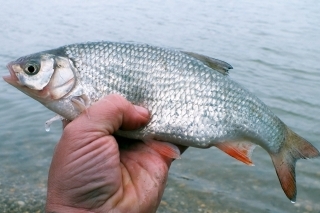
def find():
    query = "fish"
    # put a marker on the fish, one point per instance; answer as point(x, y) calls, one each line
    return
point(191, 99)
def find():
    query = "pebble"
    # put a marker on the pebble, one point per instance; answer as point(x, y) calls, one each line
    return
point(309, 208)
point(297, 204)
point(163, 203)
point(21, 203)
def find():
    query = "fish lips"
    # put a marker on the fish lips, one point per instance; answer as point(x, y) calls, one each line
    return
point(12, 78)
point(42, 96)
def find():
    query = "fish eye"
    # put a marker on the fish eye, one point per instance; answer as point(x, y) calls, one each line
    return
point(31, 69)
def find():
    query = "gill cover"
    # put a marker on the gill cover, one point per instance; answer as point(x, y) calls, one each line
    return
point(63, 78)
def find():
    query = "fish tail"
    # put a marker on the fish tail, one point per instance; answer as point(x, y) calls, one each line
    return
point(294, 148)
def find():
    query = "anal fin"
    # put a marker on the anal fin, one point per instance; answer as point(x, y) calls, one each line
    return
point(240, 150)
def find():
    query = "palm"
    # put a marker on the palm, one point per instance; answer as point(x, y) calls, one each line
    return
point(89, 173)
point(144, 176)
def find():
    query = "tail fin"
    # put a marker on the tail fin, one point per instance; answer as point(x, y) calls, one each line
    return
point(294, 148)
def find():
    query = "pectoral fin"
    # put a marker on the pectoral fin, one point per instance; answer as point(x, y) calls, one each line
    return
point(240, 150)
point(81, 103)
point(167, 149)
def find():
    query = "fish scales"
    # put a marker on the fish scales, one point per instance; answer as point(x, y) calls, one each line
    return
point(186, 98)
point(191, 99)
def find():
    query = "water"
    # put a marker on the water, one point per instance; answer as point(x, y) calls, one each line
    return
point(272, 45)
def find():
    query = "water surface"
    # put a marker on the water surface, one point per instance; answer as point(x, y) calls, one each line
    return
point(272, 45)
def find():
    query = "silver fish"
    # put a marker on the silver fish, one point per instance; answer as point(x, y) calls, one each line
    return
point(191, 99)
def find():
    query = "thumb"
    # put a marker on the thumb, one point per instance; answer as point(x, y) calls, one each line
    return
point(109, 114)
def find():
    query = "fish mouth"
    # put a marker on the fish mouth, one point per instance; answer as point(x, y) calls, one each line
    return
point(12, 78)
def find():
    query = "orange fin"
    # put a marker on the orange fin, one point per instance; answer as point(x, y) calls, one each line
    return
point(167, 149)
point(240, 150)
point(294, 148)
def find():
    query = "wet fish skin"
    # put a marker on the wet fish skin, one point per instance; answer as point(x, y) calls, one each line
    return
point(190, 97)
point(186, 93)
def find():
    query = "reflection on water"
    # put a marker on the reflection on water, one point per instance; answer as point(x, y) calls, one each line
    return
point(273, 47)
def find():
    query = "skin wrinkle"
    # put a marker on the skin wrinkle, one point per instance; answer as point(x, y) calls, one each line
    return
point(157, 180)
point(89, 171)
point(95, 196)
point(69, 208)
point(129, 176)
point(126, 178)
point(92, 188)
point(95, 151)
point(124, 181)
point(150, 178)
point(89, 200)
point(116, 197)
point(97, 191)
point(86, 183)
point(125, 204)
point(130, 182)
point(84, 166)
point(147, 150)
point(100, 175)
point(79, 179)
point(133, 181)
point(117, 188)
point(156, 176)
point(79, 136)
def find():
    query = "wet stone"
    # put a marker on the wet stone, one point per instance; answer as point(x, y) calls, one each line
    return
point(21, 203)
point(309, 208)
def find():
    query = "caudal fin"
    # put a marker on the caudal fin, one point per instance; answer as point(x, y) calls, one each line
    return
point(294, 148)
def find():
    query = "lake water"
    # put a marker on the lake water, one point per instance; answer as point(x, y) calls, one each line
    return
point(273, 45)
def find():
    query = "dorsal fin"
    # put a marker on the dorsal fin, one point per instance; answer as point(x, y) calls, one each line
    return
point(218, 65)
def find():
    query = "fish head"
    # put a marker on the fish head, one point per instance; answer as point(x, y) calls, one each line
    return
point(43, 76)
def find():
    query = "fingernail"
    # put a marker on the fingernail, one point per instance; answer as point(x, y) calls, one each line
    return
point(143, 111)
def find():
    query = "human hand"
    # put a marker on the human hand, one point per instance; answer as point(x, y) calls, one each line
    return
point(89, 173)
